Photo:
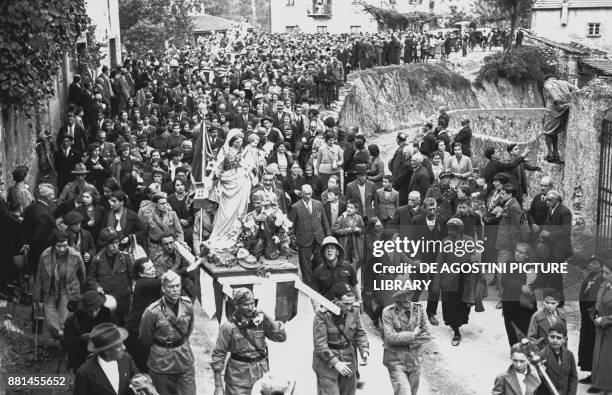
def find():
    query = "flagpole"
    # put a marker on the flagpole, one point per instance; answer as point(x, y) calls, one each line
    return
point(203, 130)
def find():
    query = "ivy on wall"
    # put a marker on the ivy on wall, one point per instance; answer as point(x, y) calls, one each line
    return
point(35, 35)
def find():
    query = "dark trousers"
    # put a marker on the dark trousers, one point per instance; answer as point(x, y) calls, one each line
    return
point(309, 259)
point(139, 354)
point(518, 315)
point(432, 298)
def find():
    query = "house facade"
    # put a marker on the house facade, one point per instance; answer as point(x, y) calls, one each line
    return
point(320, 16)
point(586, 22)
point(347, 16)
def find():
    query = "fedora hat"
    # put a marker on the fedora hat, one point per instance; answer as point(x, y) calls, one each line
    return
point(91, 300)
point(361, 169)
point(80, 168)
point(104, 336)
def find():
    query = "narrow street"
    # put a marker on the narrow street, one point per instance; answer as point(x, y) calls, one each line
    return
point(468, 369)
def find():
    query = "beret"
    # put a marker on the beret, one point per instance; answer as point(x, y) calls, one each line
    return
point(340, 289)
point(72, 217)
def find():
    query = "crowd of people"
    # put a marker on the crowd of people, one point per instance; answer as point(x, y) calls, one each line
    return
point(244, 111)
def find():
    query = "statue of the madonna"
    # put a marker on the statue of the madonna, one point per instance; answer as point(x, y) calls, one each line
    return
point(235, 174)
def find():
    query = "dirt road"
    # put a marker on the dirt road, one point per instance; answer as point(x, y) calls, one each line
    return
point(469, 368)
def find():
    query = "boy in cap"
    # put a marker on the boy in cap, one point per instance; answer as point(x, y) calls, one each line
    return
point(110, 368)
point(243, 336)
point(165, 328)
point(336, 341)
point(405, 329)
point(80, 239)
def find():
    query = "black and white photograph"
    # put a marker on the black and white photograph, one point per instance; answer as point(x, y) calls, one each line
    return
point(305, 197)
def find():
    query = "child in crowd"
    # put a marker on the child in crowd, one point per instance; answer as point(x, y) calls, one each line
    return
point(559, 362)
point(349, 230)
point(545, 318)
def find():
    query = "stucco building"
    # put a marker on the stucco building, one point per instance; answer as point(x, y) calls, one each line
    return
point(320, 16)
point(587, 22)
point(347, 16)
point(105, 16)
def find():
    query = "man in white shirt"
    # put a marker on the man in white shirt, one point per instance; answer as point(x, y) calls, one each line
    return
point(109, 370)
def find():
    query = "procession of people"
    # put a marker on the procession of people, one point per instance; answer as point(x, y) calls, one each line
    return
point(247, 112)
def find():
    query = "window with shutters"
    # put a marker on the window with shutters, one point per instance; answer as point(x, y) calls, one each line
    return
point(321, 29)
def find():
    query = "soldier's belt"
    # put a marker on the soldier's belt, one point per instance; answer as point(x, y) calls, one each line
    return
point(338, 346)
point(243, 358)
point(175, 344)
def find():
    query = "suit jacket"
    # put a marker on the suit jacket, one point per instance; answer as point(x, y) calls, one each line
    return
point(371, 198)
point(327, 207)
point(518, 177)
point(402, 219)
point(387, 207)
point(564, 376)
point(559, 226)
point(90, 379)
point(309, 227)
point(147, 109)
point(421, 229)
point(80, 140)
point(538, 210)
point(420, 181)
point(240, 123)
point(507, 383)
point(496, 166)
point(539, 324)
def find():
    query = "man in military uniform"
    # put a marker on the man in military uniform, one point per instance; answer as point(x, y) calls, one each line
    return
point(244, 337)
point(159, 222)
point(168, 258)
point(165, 328)
point(334, 270)
point(405, 330)
point(112, 272)
point(445, 196)
point(336, 341)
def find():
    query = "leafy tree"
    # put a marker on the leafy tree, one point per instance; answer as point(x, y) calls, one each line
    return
point(35, 35)
point(499, 10)
point(147, 24)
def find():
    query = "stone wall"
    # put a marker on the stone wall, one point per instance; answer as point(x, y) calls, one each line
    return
point(18, 140)
point(399, 97)
point(499, 127)
point(589, 107)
